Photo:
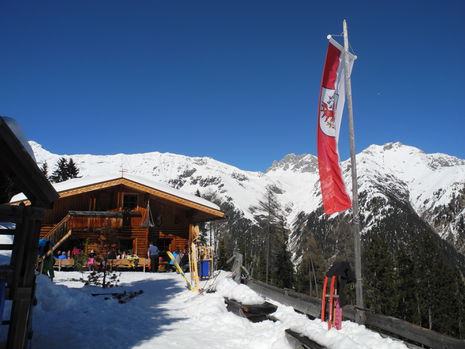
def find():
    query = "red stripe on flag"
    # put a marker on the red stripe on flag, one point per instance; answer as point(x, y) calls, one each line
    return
point(333, 190)
point(331, 65)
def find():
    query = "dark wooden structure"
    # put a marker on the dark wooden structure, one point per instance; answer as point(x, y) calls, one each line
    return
point(114, 213)
point(383, 324)
point(19, 173)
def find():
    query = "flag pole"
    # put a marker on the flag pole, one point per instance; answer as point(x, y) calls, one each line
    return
point(359, 314)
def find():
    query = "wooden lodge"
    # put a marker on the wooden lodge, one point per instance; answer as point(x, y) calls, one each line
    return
point(122, 213)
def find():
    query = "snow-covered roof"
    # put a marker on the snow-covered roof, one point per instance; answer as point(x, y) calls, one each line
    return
point(18, 132)
point(86, 181)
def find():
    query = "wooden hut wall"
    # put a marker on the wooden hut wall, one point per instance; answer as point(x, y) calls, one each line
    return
point(171, 220)
point(63, 205)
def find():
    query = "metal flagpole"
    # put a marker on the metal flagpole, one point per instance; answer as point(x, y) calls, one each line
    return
point(359, 314)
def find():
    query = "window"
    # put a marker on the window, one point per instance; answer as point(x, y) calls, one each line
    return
point(130, 201)
point(126, 245)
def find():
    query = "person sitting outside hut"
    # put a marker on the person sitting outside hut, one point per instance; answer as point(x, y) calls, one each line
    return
point(122, 255)
point(62, 255)
point(133, 260)
point(171, 266)
point(75, 252)
point(111, 254)
point(91, 260)
point(185, 261)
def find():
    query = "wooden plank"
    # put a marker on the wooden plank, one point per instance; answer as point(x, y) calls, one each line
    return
point(413, 332)
point(64, 263)
point(23, 257)
point(307, 306)
point(304, 341)
point(112, 214)
point(253, 312)
point(144, 262)
point(6, 247)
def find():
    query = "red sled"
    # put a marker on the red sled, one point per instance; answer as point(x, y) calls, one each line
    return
point(333, 310)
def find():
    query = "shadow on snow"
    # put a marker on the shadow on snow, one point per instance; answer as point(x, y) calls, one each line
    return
point(111, 325)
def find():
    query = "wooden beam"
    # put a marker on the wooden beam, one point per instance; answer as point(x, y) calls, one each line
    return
point(306, 342)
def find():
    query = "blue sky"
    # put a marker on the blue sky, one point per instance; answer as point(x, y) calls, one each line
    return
point(234, 80)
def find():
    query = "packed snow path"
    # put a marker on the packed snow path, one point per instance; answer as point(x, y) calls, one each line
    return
point(167, 315)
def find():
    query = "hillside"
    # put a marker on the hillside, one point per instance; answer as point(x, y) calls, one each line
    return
point(430, 186)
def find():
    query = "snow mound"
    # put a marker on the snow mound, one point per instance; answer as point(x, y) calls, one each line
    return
point(230, 289)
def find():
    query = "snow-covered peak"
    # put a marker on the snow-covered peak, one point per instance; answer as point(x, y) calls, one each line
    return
point(296, 163)
point(400, 156)
point(426, 181)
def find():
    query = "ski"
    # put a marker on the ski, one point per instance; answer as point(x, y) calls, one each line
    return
point(331, 303)
point(122, 297)
point(178, 268)
point(129, 296)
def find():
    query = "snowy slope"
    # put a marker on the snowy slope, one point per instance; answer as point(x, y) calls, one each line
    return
point(428, 182)
point(167, 315)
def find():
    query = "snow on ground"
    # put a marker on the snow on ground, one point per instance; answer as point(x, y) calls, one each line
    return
point(167, 315)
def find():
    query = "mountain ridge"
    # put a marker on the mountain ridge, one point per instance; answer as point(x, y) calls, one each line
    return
point(433, 184)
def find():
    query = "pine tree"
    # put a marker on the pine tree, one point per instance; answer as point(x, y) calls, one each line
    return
point(279, 269)
point(59, 175)
point(311, 270)
point(44, 169)
point(407, 308)
point(64, 170)
point(72, 170)
point(282, 268)
point(379, 277)
point(222, 254)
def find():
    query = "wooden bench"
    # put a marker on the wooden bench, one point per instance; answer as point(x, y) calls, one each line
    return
point(64, 263)
point(145, 264)
point(141, 263)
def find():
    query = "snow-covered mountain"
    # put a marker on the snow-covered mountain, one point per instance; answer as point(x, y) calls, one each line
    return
point(431, 186)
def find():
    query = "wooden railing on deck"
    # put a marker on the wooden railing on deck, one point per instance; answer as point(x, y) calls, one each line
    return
point(59, 232)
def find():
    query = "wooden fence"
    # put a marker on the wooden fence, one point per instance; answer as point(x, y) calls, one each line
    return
point(385, 324)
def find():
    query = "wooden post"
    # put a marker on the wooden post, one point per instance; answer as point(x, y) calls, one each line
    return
point(193, 238)
point(268, 240)
point(360, 315)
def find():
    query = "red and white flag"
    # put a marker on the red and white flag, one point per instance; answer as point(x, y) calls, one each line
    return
point(330, 108)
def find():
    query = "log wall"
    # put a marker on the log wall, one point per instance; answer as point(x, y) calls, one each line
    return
point(171, 220)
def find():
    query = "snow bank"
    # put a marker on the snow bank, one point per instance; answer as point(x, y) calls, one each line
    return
point(167, 315)
point(228, 288)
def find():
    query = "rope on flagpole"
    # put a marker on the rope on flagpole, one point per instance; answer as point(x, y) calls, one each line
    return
point(351, 49)
point(331, 35)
